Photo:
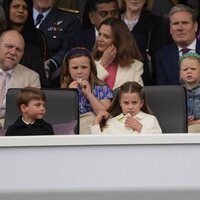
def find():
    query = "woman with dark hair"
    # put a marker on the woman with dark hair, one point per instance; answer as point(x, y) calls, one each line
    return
point(116, 53)
point(19, 17)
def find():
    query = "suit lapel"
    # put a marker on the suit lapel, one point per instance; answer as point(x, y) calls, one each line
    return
point(174, 56)
point(15, 80)
point(198, 46)
point(49, 19)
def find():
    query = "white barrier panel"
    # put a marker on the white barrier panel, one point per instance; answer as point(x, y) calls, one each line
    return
point(100, 167)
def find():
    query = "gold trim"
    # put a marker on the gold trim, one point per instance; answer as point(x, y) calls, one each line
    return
point(69, 10)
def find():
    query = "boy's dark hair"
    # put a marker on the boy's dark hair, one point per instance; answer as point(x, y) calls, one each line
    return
point(29, 93)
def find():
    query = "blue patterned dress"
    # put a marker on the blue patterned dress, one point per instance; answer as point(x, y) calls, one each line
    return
point(99, 91)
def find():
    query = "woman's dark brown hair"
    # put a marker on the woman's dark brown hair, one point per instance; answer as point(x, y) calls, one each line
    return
point(127, 49)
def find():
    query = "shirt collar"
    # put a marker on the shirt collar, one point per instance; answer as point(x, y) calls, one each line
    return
point(35, 13)
point(27, 122)
point(96, 32)
point(9, 71)
point(139, 116)
point(192, 46)
point(197, 86)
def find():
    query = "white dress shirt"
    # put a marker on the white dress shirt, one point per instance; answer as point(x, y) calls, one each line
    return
point(192, 48)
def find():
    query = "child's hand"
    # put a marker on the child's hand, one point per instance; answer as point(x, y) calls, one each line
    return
point(74, 84)
point(101, 115)
point(85, 86)
point(131, 122)
point(190, 119)
point(108, 56)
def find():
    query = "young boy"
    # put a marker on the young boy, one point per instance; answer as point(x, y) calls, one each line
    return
point(190, 75)
point(31, 102)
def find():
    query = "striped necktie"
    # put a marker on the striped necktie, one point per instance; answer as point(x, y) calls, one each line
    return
point(2, 86)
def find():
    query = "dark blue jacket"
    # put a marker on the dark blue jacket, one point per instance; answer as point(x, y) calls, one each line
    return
point(85, 38)
point(58, 26)
point(39, 127)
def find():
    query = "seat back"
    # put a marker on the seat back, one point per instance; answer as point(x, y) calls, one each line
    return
point(62, 107)
point(169, 105)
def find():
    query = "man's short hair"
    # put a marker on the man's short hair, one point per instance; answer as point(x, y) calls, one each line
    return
point(183, 8)
point(92, 4)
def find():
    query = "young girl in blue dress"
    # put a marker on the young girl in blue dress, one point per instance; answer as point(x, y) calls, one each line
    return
point(79, 71)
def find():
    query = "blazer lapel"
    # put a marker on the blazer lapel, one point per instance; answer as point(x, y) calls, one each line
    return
point(49, 19)
point(174, 56)
point(198, 46)
point(121, 73)
point(15, 80)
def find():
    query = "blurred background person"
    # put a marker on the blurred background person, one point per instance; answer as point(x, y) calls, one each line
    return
point(95, 12)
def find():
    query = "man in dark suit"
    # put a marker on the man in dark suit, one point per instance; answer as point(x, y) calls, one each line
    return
point(183, 28)
point(95, 12)
point(57, 26)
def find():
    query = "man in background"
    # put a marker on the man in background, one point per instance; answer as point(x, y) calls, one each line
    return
point(57, 26)
point(183, 28)
point(95, 12)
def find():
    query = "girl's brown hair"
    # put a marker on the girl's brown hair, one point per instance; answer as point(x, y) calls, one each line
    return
point(128, 87)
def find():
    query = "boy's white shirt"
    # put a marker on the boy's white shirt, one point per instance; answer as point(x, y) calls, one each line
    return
point(115, 125)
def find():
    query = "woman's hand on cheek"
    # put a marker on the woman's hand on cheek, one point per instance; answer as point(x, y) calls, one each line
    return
point(74, 84)
point(131, 122)
point(108, 56)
